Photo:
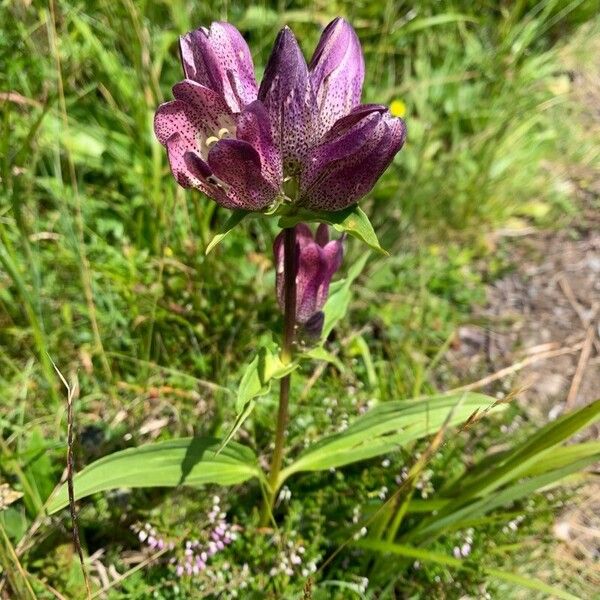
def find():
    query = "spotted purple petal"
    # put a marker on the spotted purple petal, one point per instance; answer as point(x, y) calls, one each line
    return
point(254, 127)
point(237, 165)
point(333, 254)
point(322, 235)
point(197, 113)
point(350, 159)
point(287, 95)
point(219, 58)
point(317, 264)
point(191, 171)
point(337, 71)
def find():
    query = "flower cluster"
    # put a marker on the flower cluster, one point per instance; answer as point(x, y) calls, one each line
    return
point(196, 553)
point(238, 142)
point(291, 561)
point(150, 537)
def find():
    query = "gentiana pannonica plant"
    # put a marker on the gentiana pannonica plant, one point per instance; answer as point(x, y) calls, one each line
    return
point(299, 144)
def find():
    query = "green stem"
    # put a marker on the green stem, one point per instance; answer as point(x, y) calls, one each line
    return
point(289, 325)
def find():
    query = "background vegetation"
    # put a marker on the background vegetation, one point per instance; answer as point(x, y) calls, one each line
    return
point(103, 272)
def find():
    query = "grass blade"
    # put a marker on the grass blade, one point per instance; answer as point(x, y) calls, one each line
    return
point(449, 561)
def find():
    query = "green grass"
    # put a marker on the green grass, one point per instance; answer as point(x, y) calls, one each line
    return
point(102, 265)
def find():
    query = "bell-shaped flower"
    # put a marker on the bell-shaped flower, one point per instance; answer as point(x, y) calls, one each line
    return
point(317, 260)
point(350, 158)
point(218, 136)
point(335, 147)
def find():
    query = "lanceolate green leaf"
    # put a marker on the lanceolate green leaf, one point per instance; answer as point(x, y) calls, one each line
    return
point(388, 427)
point(319, 353)
point(551, 460)
point(237, 216)
point(185, 461)
point(256, 381)
point(555, 458)
point(357, 224)
point(263, 368)
point(449, 561)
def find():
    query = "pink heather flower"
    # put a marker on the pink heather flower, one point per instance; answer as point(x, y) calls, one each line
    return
point(237, 142)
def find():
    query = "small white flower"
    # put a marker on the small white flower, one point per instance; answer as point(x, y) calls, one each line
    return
point(285, 494)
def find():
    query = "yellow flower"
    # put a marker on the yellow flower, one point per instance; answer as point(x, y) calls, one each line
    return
point(397, 108)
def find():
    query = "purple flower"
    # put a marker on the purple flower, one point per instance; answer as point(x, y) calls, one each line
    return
point(238, 143)
point(218, 137)
point(318, 260)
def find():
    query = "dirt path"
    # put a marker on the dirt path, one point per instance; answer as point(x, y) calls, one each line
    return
point(549, 307)
point(540, 328)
